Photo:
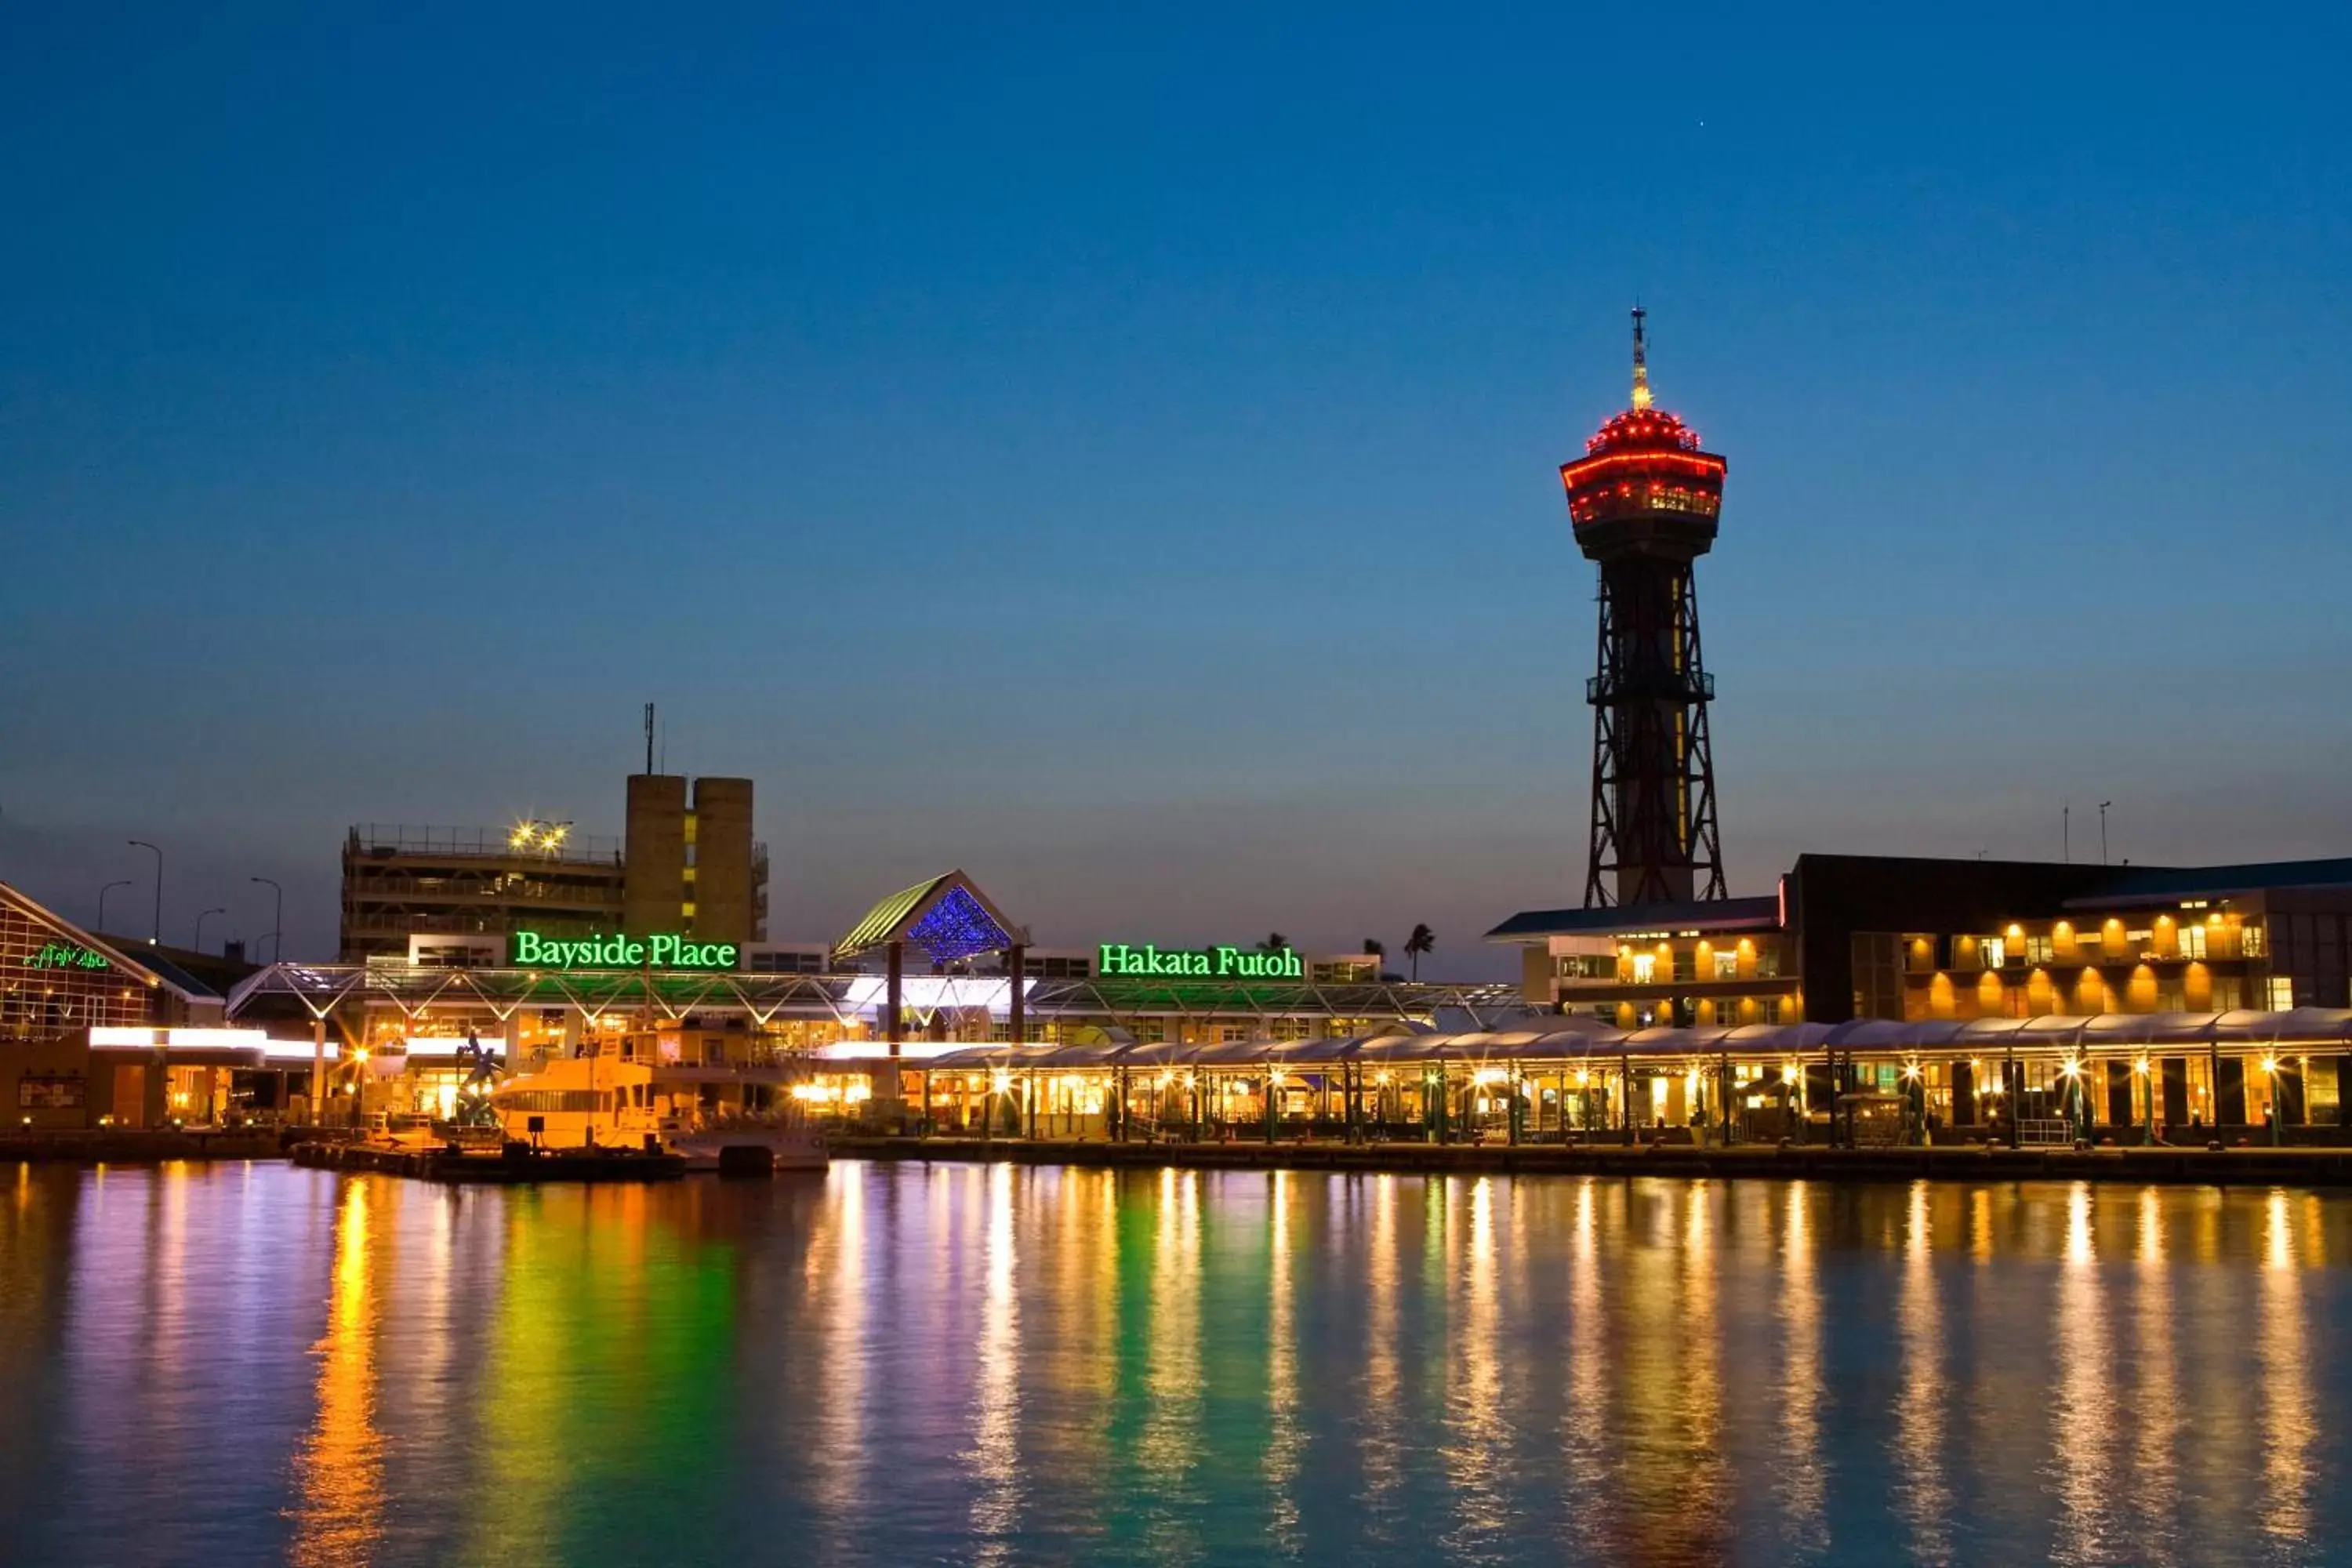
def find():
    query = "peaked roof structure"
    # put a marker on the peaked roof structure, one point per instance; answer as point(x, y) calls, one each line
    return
point(948, 917)
point(145, 968)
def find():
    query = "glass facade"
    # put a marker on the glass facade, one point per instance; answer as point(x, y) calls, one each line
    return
point(52, 986)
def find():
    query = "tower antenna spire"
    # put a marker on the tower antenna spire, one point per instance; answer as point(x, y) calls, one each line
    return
point(1640, 364)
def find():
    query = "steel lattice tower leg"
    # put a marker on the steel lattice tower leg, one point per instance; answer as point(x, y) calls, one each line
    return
point(1654, 818)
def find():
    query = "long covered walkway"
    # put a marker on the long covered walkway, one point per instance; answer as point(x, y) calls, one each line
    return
point(2121, 1078)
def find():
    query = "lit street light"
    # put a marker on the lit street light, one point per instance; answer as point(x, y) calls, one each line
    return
point(276, 920)
point(156, 937)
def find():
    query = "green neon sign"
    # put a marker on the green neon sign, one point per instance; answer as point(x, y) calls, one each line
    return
point(1198, 963)
point(66, 956)
point(528, 950)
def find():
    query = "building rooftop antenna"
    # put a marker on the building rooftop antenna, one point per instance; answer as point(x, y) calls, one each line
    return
point(650, 737)
point(1640, 364)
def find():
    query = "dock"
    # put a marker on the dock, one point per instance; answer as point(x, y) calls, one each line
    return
point(139, 1145)
point(492, 1167)
point(2259, 1165)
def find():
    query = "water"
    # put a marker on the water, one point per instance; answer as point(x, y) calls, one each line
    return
point(900, 1363)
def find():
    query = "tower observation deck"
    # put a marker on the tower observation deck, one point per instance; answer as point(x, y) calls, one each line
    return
point(1643, 500)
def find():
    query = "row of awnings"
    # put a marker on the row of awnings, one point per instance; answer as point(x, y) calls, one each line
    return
point(2305, 1030)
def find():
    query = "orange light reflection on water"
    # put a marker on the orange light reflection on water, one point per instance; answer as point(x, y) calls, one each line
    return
point(341, 1466)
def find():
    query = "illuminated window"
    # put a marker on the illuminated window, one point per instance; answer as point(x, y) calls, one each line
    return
point(1645, 968)
point(2250, 941)
point(2037, 949)
point(2282, 992)
point(1727, 966)
point(1995, 951)
point(2192, 941)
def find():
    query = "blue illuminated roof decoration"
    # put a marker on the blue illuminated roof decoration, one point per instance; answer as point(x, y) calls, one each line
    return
point(948, 918)
point(957, 927)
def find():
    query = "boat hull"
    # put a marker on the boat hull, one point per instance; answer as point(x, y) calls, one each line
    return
point(793, 1148)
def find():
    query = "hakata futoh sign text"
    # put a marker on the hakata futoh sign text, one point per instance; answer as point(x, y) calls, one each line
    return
point(1198, 963)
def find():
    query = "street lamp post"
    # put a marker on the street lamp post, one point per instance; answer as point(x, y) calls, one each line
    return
point(276, 920)
point(101, 899)
point(217, 909)
point(155, 938)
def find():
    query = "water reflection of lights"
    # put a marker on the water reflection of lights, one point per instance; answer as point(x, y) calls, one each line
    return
point(1383, 1452)
point(995, 1457)
point(835, 1287)
point(1921, 1390)
point(2083, 1427)
point(1705, 1492)
point(339, 1469)
point(1174, 1367)
point(1801, 1483)
point(2289, 1426)
point(2156, 1417)
point(1168, 1451)
point(1284, 1439)
point(1476, 1440)
point(1585, 1431)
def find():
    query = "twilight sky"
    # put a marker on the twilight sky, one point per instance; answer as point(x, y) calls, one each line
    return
point(1113, 448)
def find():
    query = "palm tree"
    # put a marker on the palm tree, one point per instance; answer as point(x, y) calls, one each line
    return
point(1422, 941)
point(1275, 943)
point(1375, 948)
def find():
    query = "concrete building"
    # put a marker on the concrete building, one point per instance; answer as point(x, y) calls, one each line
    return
point(429, 895)
point(2134, 956)
point(400, 882)
point(694, 867)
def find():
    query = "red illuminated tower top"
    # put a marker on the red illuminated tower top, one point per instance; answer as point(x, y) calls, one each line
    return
point(1643, 486)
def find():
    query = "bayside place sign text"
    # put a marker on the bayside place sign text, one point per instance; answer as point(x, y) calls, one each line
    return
point(666, 950)
point(1198, 963)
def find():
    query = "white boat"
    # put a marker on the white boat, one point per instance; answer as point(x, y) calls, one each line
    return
point(692, 1110)
point(577, 1102)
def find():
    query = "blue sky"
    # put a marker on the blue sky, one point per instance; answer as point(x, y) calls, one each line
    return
point(1115, 453)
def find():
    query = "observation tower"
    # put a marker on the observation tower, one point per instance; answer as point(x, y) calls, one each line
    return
point(1643, 500)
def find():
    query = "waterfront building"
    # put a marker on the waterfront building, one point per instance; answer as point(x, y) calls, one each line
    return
point(2081, 953)
point(417, 894)
point(2118, 1078)
point(98, 1032)
point(847, 1025)
point(694, 869)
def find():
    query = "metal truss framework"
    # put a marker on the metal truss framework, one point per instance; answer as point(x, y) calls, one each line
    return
point(1653, 818)
point(321, 989)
